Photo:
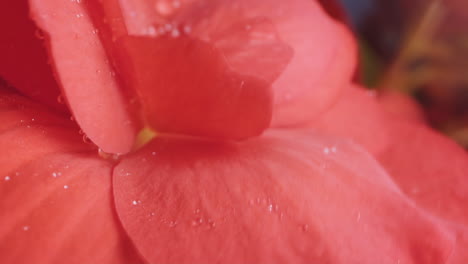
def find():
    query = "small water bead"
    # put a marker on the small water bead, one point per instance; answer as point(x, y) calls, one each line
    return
point(173, 224)
point(87, 140)
point(66, 187)
point(39, 34)
point(270, 208)
point(26, 228)
point(187, 29)
point(7, 178)
point(79, 15)
point(197, 222)
point(175, 33)
point(326, 151)
point(108, 156)
point(136, 202)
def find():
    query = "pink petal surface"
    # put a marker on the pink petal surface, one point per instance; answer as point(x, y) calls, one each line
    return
point(287, 197)
point(85, 74)
point(55, 193)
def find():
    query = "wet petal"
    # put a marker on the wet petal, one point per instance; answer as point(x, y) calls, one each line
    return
point(324, 52)
point(287, 197)
point(55, 194)
point(22, 51)
point(85, 74)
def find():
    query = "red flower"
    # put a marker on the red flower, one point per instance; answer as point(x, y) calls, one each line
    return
point(210, 77)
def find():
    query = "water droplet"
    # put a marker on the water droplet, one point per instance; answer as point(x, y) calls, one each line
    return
point(175, 33)
point(211, 224)
point(7, 178)
point(39, 34)
point(187, 29)
point(79, 15)
point(25, 228)
point(153, 153)
point(95, 31)
point(173, 224)
point(65, 187)
point(270, 208)
point(108, 156)
point(60, 99)
point(86, 139)
point(326, 151)
point(197, 222)
point(305, 228)
point(151, 30)
point(136, 202)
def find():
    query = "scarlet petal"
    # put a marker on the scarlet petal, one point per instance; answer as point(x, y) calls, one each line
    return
point(291, 197)
point(85, 74)
point(324, 52)
point(55, 194)
point(187, 87)
point(22, 51)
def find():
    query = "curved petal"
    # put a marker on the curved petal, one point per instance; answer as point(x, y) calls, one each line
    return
point(356, 116)
point(287, 197)
point(402, 106)
point(433, 171)
point(85, 74)
point(323, 51)
point(55, 194)
point(22, 50)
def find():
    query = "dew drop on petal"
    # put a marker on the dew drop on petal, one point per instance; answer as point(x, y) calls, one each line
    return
point(7, 178)
point(25, 228)
point(326, 151)
point(65, 187)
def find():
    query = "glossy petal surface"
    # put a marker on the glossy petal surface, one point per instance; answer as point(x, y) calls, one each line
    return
point(323, 51)
point(292, 197)
point(55, 194)
point(85, 74)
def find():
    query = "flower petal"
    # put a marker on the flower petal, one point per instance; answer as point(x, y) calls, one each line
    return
point(85, 74)
point(356, 116)
point(22, 51)
point(324, 52)
point(433, 171)
point(287, 197)
point(55, 194)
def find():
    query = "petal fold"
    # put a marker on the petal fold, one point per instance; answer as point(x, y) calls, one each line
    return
point(85, 74)
point(55, 193)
